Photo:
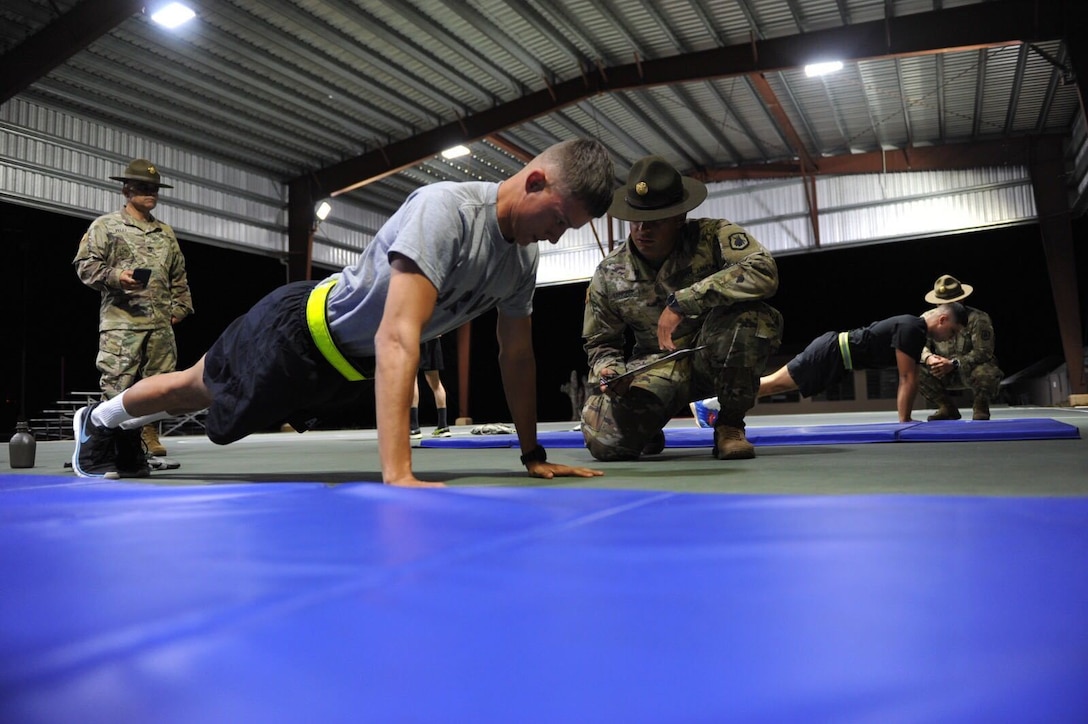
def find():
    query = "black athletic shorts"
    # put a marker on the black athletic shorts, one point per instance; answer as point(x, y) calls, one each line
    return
point(819, 366)
point(265, 370)
point(430, 356)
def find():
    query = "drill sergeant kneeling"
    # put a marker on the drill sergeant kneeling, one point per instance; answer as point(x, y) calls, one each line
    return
point(676, 283)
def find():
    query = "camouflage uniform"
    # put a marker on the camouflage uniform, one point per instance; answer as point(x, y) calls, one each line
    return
point(136, 338)
point(719, 275)
point(974, 348)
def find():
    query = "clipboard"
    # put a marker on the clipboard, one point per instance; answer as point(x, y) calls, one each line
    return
point(678, 354)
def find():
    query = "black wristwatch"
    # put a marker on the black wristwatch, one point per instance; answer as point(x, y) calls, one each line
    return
point(955, 364)
point(671, 303)
point(537, 455)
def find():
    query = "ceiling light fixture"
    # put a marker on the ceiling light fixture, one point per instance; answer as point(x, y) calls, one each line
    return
point(823, 68)
point(173, 15)
point(455, 152)
point(322, 210)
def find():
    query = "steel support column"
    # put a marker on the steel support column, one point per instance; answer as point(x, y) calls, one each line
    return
point(1048, 181)
point(300, 229)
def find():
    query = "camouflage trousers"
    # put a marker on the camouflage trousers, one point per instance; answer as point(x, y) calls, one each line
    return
point(740, 337)
point(128, 355)
point(983, 380)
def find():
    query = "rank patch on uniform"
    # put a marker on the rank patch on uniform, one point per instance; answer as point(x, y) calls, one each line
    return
point(738, 241)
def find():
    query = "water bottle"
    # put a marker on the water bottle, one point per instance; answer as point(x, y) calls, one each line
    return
point(22, 446)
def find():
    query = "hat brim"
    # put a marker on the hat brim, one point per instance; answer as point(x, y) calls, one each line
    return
point(140, 181)
point(694, 194)
point(932, 297)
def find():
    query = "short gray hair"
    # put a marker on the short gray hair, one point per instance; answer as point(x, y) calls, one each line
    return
point(586, 172)
point(957, 311)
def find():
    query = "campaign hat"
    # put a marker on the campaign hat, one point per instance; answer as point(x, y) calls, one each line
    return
point(655, 190)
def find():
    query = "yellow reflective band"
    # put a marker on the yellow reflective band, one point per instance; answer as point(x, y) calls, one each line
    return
point(319, 330)
point(844, 348)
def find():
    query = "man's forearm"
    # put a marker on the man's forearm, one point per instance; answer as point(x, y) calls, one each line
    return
point(393, 395)
point(904, 402)
point(519, 384)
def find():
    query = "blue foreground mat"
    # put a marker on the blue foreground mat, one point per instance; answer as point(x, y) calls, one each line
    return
point(942, 431)
point(289, 602)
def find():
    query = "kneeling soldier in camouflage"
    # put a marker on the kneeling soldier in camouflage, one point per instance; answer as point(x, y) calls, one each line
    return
point(676, 283)
point(963, 362)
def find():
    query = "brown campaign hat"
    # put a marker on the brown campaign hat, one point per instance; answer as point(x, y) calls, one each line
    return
point(144, 171)
point(655, 190)
point(948, 289)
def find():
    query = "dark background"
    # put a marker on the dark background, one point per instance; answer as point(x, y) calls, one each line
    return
point(47, 306)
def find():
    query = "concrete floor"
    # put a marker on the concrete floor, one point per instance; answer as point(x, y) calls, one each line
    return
point(1023, 468)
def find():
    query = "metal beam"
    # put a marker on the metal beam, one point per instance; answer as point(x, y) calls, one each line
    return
point(972, 26)
point(778, 113)
point(60, 40)
point(1006, 152)
point(808, 163)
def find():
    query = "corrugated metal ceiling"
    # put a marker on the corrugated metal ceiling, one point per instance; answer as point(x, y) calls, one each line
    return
point(290, 88)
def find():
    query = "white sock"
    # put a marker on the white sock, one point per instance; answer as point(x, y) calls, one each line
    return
point(110, 413)
point(133, 423)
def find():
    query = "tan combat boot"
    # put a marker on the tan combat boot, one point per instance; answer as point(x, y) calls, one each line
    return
point(945, 411)
point(150, 435)
point(731, 444)
point(982, 409)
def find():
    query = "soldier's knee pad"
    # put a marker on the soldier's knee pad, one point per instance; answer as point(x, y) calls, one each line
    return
point(605, 436)
point(608, 454)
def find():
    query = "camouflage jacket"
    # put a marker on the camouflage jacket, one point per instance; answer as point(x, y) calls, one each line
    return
point(116, 242)
point(715, 262)
point(973, 346)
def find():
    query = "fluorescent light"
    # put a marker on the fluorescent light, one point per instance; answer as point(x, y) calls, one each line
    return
point(456, 152)
point(322, 211)
point(173, 15)
point(823, 68)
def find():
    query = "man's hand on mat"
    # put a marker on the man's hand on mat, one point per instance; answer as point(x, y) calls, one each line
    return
point(552, 470)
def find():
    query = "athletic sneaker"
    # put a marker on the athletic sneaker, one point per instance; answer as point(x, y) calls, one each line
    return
point(95, 455)
point(131, 453)
point(441, 432)
point(157, 462)
point(415, 434)
point(704, 416)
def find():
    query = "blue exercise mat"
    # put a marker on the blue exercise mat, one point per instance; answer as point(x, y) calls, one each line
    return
point(125, 602)
point(1042, 428)
point(698, 437)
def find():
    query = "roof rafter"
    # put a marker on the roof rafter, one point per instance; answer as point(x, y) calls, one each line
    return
point(973, 26)
point(949, 157)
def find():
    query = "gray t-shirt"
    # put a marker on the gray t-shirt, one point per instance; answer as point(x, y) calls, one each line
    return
point(451, 231)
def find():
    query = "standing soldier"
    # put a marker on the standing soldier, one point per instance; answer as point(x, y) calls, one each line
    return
point(134, 260)
point(676, 283)
point(965, 361)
